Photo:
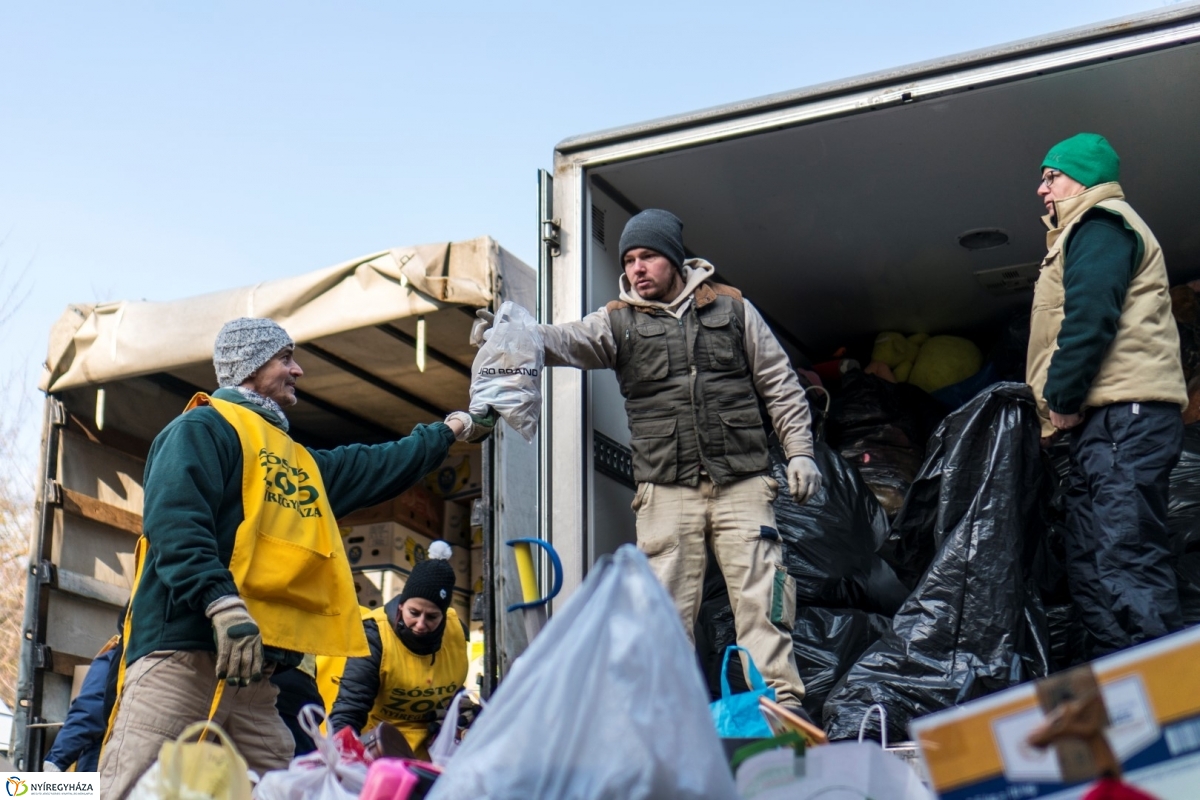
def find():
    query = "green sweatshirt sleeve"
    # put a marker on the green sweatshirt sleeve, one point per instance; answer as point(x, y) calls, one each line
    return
point(186, 475)
point(360, 475)
point(1100, 261)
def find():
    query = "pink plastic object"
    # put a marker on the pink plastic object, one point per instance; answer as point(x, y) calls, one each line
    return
point(388, 779)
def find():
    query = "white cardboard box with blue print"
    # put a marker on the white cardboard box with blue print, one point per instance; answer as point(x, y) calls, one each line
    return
point(390, 544)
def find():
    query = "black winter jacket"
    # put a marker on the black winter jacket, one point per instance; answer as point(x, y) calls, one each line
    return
point(360, 680)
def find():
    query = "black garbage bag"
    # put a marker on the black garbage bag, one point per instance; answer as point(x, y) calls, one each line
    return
point(881, 428)
point(830, 542)
point(975, 623)
point(1067, 636)
point(827, 642)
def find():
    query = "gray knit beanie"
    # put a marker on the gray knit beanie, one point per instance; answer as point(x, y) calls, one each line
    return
point(659, 230)
point(244, 345)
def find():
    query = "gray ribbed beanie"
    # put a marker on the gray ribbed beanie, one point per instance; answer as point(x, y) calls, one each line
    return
point(659, 230)
point(244, 345)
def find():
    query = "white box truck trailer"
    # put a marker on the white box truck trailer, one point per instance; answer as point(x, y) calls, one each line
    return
point(383, 341)
point(846, 209)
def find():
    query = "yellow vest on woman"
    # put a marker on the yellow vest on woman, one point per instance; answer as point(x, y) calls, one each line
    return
point(1143, 362)
point(412, 688)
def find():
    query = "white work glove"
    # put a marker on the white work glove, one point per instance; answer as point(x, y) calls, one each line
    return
point(239, 641)
point(481, 327)
point(804, 479)
point(50, 766)
point(475, 428)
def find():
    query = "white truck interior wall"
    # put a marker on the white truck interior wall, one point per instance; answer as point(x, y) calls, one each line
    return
point(612, 521)
point(849, 226)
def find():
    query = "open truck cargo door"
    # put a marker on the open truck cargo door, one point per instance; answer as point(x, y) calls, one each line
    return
point(384, 344)
point(847, 209)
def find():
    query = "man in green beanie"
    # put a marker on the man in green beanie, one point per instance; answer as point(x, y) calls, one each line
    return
point(1104, 363)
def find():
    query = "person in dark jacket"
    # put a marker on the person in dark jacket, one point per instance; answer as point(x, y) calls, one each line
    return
point(418, 659)
point(78, 741)
point(243, 569)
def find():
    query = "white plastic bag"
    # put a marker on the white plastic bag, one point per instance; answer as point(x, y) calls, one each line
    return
point(853, 771)
point(607, 702)
point(507, 373)
point(320, 775)
point(446, 744)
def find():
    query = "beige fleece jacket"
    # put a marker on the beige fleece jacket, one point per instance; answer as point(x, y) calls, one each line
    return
point(589, 344)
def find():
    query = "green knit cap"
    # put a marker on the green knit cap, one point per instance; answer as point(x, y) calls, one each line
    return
point(1085, 157)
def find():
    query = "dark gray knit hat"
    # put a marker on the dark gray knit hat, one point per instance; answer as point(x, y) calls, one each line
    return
point(244, 345)
point(659, 230)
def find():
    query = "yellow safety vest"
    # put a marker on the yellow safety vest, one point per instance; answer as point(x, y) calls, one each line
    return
point(412, 688)
point(288, 560)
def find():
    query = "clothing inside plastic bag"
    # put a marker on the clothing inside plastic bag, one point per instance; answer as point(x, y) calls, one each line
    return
point(881, 428)
point(975, 622)
point(830, 542)
point(506, 374)
point(606, 702)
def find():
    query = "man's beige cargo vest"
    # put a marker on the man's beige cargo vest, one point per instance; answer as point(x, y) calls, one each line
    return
point(688, 391)
point(1143, 362)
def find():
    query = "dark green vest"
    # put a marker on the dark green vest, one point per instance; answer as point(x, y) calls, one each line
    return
point(688, 391)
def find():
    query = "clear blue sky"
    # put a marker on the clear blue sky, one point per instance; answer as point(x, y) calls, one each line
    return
point(159, 150)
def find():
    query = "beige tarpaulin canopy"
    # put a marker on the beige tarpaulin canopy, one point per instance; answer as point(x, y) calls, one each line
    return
point(92, 345)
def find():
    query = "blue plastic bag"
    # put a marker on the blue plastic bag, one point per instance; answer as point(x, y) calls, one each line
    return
point(736, 715)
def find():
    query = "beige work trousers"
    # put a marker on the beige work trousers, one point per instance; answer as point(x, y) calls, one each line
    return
point(168, 690)
point(675, 522)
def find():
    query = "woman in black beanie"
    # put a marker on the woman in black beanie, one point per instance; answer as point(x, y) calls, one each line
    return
point(418, 658)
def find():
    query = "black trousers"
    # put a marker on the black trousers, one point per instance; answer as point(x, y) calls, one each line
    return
point(1118, 546)
point(297, 689)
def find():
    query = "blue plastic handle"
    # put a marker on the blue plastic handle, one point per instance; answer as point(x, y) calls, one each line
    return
point(557, 569)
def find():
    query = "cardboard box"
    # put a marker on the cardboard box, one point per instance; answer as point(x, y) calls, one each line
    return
point(418, 509)
point(477, 569)
point(385, 545)
point(368, 545)
point(978, 751)
point(455, 527)
point(369, 595)
point(458, 477)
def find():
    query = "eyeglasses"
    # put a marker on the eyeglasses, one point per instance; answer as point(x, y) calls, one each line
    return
point(1049, 177)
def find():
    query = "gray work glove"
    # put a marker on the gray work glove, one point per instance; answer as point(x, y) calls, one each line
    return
point(475, 427)
point(239, 641)
point(804, 479)
point(481, 326)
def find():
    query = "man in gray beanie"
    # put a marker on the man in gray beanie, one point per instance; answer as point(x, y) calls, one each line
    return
point(243, 570)
point(694, 359)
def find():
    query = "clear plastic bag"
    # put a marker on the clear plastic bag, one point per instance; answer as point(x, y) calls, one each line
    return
point(606, 702)
point(446, 744)
point(324, 774)
point(507, 373)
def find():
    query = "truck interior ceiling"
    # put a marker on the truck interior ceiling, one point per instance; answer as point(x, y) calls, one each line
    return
point(842, 228)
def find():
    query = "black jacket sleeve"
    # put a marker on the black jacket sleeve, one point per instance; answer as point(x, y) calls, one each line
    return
point(359, 686)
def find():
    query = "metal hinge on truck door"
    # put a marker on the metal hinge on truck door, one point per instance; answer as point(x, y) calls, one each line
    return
point(552, 235)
